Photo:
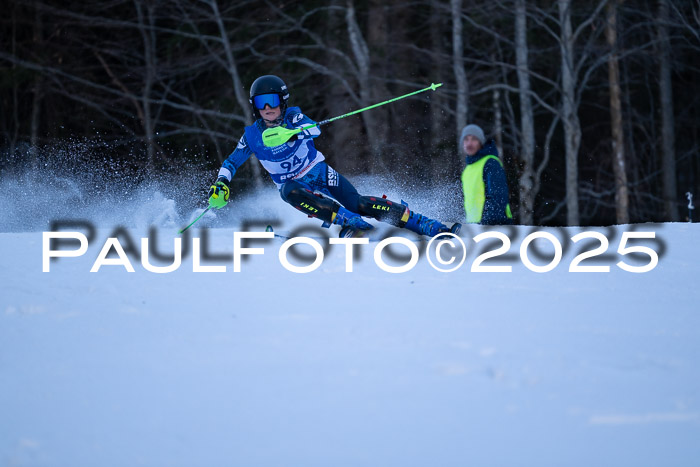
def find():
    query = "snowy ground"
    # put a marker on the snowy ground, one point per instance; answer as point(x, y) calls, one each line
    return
point(267, 367)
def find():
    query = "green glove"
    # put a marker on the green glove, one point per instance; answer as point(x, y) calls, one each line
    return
point(218, 194)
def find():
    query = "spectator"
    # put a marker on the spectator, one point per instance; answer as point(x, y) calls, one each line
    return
point(483, 180)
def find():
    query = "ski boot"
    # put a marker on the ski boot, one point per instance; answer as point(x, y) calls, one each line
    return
point(423, 225)
point(351, 223)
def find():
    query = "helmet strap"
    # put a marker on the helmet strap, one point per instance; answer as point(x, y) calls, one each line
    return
point(276, 122)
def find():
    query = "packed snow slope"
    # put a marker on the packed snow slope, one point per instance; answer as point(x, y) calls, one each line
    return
point(268, 367)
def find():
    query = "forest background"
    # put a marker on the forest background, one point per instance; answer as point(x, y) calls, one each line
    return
point(593, 105)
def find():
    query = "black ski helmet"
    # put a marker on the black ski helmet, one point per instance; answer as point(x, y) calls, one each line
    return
point(269, 84)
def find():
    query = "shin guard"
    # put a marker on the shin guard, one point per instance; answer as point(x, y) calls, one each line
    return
point(309, 202)
point(384, 210)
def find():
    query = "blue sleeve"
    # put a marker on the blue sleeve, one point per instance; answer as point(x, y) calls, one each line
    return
point(296, 118)
point(496, 187)
point(235, 159)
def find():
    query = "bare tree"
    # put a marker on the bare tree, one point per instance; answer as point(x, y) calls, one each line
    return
point(458, 66)
point(362, 57)
point(231, 67)
point(572, 125)
point(150, 63)
point(527, 118)
point(668, 140)
point(38, 94)
point(437, 115)
point(618, 143)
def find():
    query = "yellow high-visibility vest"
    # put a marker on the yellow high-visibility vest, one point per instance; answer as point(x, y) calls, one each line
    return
point(475, 191)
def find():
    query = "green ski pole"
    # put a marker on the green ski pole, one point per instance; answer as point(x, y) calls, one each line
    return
point(279, 135)
point(198, 217)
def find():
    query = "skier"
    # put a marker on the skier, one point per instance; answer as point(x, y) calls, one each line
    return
point(304, 180)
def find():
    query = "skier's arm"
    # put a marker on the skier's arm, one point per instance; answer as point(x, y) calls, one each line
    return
point(235, 160)
point(298, 120)
point(496, 187)
point(219, 191)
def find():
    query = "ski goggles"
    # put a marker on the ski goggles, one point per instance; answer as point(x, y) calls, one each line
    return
point(260, 101)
